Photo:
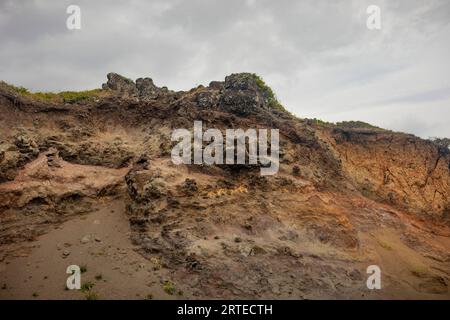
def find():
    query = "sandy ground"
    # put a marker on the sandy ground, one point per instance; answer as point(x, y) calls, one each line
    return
point(112, 266)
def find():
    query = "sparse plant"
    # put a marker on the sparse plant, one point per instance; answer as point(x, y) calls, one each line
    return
point(21, 90)
point(149, 297)
point(169, 287)
point(86, 287)
point(78, 96)
point(91, 296)
point(317, 122)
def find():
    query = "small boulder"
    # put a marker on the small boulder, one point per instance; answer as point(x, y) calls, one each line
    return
point(85, 239)
point(146, 88)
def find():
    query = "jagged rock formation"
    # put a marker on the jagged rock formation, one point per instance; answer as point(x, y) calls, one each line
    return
point(144, 88)
point(344, 198)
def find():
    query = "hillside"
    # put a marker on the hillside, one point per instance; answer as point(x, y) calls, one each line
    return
point(345, 197)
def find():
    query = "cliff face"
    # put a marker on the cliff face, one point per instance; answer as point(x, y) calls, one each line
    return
point(398, 169)
point(343, 198)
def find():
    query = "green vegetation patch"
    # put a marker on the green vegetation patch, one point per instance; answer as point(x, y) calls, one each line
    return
point(169, 287)
point(267, 91)
point(319, 122)
point(71, 97)
point(78, 96)
point(86, 287)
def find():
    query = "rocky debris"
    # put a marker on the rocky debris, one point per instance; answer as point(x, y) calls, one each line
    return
point(53, 158)
point(145, 186)
point(156, 188)
point(9, 164)
point(430, 283)
point(109, 154)
point(27, 146)
point(142, 163)
point(336, 234)
point(48, 191)
point(207, 99)
point(14, 156)
point(189, 187)
point(146, 88)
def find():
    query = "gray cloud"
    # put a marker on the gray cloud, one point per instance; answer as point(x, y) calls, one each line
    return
point(318, 55)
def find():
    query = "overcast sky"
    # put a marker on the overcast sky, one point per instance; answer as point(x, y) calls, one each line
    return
point(318, 56)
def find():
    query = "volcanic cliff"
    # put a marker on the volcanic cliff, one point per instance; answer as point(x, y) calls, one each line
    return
point(345, 196)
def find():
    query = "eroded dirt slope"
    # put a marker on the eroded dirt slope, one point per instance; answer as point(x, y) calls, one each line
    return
point(343, 199)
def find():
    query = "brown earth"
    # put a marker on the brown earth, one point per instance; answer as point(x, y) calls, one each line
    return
point(92, 183)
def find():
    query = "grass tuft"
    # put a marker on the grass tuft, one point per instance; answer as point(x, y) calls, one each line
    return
point(86, 287)
point(169, 288)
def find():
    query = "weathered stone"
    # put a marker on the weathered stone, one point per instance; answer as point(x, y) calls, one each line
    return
point(241, 95)
point(146, 88)
point(119, 83)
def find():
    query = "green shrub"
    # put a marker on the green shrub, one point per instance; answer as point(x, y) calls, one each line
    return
point(21, 90)
point(319, 122)
point(268, 93)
